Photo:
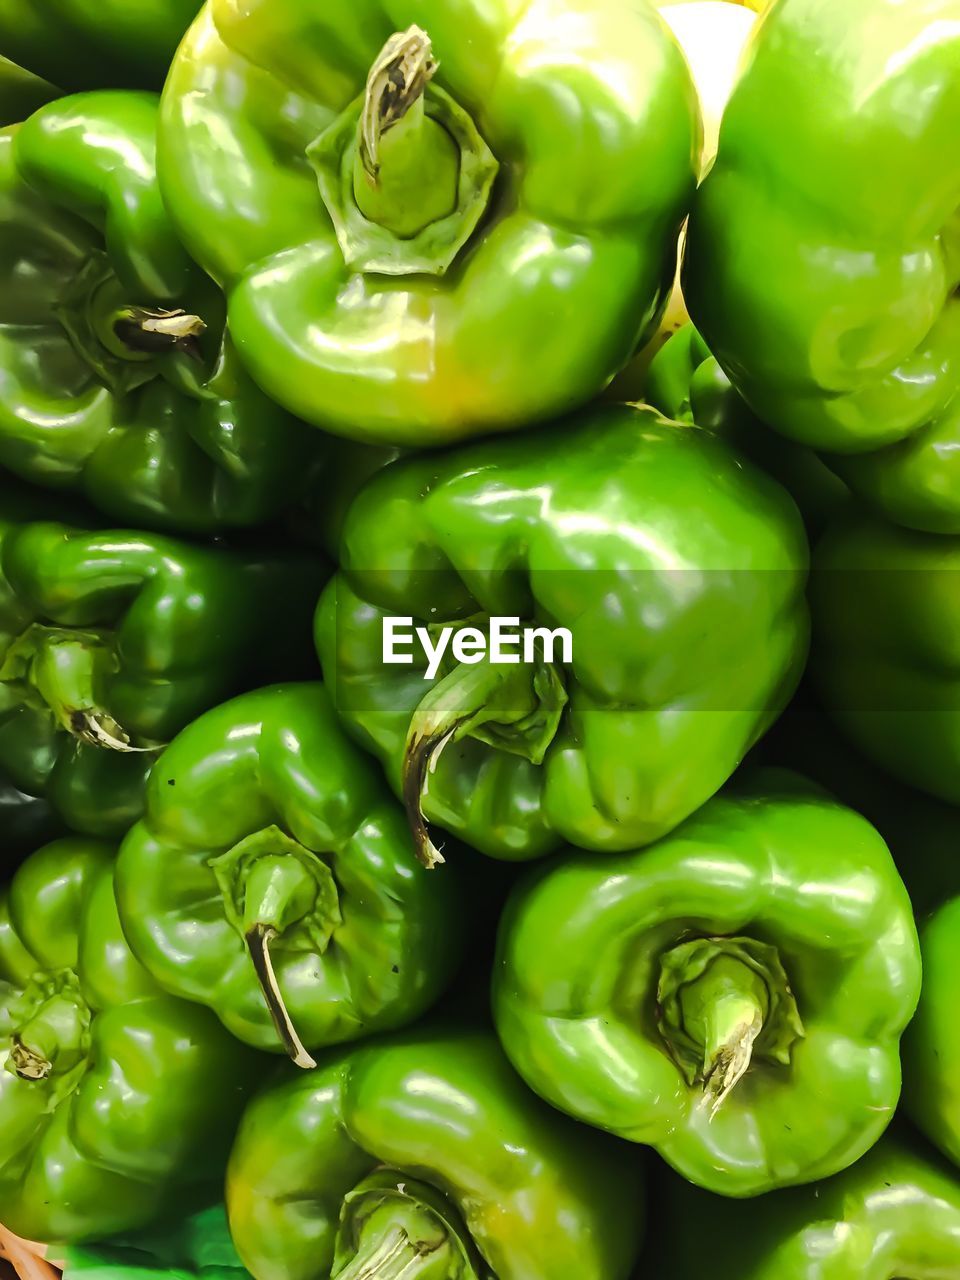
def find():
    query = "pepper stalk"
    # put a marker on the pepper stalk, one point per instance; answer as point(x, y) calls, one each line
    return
point(721, 1004)
point(514, 708)
point(393, 1228)
point(404, 173)
point(272, 885)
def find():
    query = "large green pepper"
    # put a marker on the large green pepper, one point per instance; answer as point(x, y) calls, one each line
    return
point(733, 996)
point(685, 382)
point(931, 1063)
point(423, 1157)
point(895, 1213)
point(924, 837)
point(110, 642)
point(115, 375)
point(89, 44)
point(886, 658)
point(414, 262)
point(823, 252)
point(21, 93)
point(319, 926)
point(117, 1102)
point(687, 634)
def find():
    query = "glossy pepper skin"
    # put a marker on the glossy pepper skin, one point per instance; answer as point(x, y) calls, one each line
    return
point(823, 250)
point(427, 1139)
point(539, 176)
point(887, 647)
point(21, 93)
point(894, 1213)
point(931, 1063)
point(686, 383)
point(265, 822)
point(111, 641)
point(92, 44)
point(102, 390)
point(117, 1102)
point(687, 635)
point(733, 996)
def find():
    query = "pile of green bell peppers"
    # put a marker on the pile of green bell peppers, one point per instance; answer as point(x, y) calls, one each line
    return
point(479, 639)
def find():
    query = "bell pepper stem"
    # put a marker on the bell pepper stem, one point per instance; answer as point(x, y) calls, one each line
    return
point(421, 759)
point(396, 1257)
point(514, 707)
point(404, 172)
point(722, 1004)
point(258, 940)
point(460, 698)
point(393, 1227)
point(64, 668)
point(27, 1063)
point(52, 1039)
point(395, 84)
point(153, 331)
point(403, 1239)
point(733, 1024)
point(407, 168)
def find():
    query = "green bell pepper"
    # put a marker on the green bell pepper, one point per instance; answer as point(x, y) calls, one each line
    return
point(423, 1157)
point(686, 383)
point(116, 378)
point(886, 656)
point(319, 926)
point(687, 635)
point(895, 1213)
point(931, 1061)
point(26, 822)
point(21, 93)
point(112, 641)
point(91, 44)
point(823, 251)
point(734, 996)
point(412, 228)
point(117, 1102)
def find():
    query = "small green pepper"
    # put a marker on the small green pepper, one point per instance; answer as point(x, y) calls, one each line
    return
point(112, 640)
point(686, 635)
point(116, 377)
point(734, 996)
point(822, 262)
point(319, 926)
point(894, 1213)
point(423, 1157)
point(436, 219)
point(117, 1102)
